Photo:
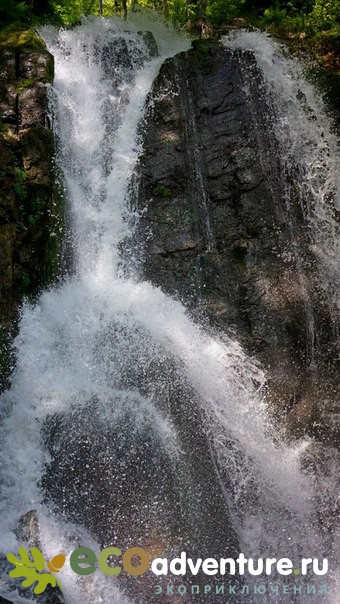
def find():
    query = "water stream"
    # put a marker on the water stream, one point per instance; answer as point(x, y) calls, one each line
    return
point(112, 367)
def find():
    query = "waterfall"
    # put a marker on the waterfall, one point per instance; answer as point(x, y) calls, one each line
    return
point(308, 145)
point(308, 150)
point(119, 397)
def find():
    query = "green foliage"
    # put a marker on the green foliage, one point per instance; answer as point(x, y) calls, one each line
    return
point(274, 15)
point(299, 7)
point(325, 14)
point(10, 11)
point(309, 16)
point(177, 11)
point(294, 15)
point(296, 23)
point(25, 11)
point(31, 569)
point(20, 183)
point(222, 11)
point(27, 83)
point(70, 12)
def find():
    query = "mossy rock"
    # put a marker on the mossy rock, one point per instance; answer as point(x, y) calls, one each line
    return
point(15, 38)
point(162, 191)
point(24, 84)
point(203, 48)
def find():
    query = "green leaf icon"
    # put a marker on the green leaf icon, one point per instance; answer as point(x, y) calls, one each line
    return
point(31, 567)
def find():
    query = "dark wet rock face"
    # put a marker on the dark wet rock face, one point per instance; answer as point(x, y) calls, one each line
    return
point(216, 230)
point(150, 43)
point(26, 152)
point(137, 469)
point(28, 199)
point(129, 481)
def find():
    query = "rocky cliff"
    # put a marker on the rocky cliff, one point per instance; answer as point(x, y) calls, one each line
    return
point(28, 204)
point(216, 230)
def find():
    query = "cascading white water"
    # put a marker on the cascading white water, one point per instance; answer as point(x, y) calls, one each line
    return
point(307, 144)
point(309, 156)
point(69, 353)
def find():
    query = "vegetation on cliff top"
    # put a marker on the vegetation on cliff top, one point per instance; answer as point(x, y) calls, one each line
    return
point(309, 16)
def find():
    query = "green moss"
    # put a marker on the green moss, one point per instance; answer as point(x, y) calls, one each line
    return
point(16, 38)
point(202, 47)
point(24, 84)
point(37, 211)
point(20, 183)
point(162, 191)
